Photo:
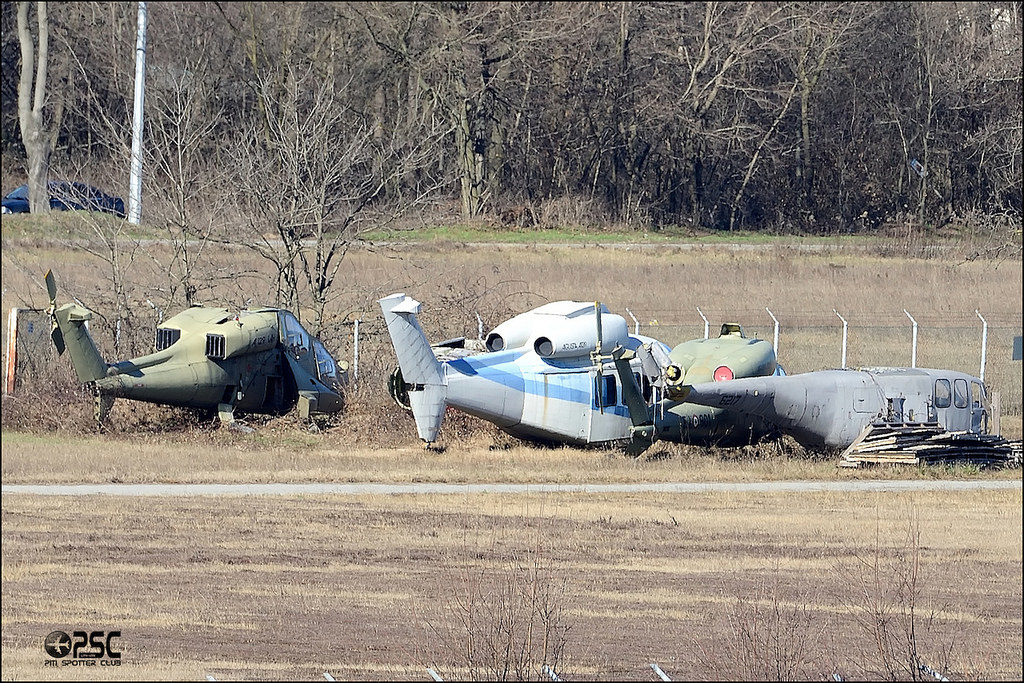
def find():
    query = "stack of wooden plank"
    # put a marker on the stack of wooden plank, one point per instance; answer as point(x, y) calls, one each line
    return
point(928, 443)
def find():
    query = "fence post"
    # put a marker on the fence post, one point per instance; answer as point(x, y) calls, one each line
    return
point(550, 672)
point(661, 674)
point(913, 343)
point(984, 344)
point(636, 323)
point(12, 350)
point(844, 337)
point(775, 344)
point(705, 322)
point(355, 351)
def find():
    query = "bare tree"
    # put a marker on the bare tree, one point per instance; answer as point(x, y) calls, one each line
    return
point(647, 114)
point(188, 189)
point(310, 178)
point(509, 624)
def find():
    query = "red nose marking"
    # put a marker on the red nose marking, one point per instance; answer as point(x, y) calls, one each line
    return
point(722, 373)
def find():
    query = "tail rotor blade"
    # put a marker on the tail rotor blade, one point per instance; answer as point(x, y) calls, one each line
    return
point(58, 339)
point(51, 287)
point(55, 334)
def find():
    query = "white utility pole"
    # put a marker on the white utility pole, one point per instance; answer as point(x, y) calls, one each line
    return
point(706, 326)
point(135, 179)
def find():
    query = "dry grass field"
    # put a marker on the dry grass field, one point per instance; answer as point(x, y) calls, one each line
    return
point(756, 586)
point(284, 453)
point(708, 586)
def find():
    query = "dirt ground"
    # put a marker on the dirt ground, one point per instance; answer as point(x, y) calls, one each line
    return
point(378, 587)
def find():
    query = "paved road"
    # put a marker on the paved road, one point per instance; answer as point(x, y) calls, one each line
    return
point(191, 490)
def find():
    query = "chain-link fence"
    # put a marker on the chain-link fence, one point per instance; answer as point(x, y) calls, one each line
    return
point(807, 341)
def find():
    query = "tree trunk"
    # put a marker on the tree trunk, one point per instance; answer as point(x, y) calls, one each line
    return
point(30, 108)
point(806, 167)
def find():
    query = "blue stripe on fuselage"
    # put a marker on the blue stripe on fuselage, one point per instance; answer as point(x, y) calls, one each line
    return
point(565, 380)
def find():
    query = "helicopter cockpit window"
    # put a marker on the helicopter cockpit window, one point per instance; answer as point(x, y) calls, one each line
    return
point(294, 335)
point(325, 365)
point(942, 393)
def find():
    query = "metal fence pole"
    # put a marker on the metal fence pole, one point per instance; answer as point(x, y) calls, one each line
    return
point(984, 344)
point(12, 350)
point(661, 674)
point(355, 351)
point(706, 329)
point(636, 323)
point(913, 343)
point(775, 344)
point(843, 366)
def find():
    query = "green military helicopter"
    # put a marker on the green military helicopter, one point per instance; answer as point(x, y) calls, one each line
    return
point(254, 361)
point(731, 355)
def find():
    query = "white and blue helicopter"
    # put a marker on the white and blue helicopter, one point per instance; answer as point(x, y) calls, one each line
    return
point(570, 372)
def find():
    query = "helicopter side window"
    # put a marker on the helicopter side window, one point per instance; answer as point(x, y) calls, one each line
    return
point(977, 395)
point(294, 335)
point(960, 393)
point(325, 366)
point(942, 393)
point(606, 388)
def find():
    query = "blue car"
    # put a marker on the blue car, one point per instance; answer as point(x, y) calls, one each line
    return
point(65, 196)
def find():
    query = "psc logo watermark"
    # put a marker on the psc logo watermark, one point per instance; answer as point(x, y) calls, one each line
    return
point(82, 648)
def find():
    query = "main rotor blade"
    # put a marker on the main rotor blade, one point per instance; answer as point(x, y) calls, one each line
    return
point(637, 446)
point(639, 413)
point(51, 287)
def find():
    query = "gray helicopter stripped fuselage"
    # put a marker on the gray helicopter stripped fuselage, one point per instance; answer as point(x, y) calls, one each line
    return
point(831, 407)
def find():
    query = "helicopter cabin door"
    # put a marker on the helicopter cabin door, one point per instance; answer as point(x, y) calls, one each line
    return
point(313, 368)
point(979, 413)
point(951, 401)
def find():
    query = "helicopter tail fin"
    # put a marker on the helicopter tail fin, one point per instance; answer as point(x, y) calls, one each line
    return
point(70, 332)
point(421, 371)
point(70, 319)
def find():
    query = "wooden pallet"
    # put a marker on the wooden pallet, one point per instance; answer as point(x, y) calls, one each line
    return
point(928, 443)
